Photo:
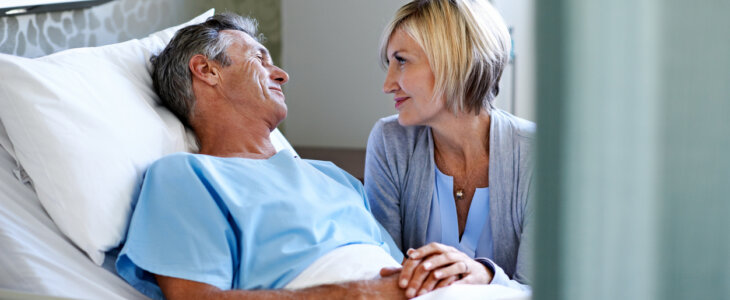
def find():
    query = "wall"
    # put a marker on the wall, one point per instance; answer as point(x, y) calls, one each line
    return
point(335, 93)
point(329, 48)
point(121, 20)
point(331, 53)
point(517, 93)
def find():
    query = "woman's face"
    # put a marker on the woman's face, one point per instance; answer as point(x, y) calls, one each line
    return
point(411, 82)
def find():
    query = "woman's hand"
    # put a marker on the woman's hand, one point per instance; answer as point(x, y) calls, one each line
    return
point(436, 265)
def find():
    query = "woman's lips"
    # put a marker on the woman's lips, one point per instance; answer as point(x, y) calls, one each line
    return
point(399, 101)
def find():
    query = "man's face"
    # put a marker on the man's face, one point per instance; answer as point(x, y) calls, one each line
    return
point(252, 82)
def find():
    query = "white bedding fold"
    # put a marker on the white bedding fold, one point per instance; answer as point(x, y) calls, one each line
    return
point(363, 262)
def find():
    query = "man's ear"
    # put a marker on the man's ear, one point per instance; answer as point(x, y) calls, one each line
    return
point(204, 69)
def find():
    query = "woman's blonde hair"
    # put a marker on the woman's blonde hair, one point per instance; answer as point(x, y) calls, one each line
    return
point(467, 45)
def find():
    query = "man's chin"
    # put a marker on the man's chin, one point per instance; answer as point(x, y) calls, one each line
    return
point(280, 116)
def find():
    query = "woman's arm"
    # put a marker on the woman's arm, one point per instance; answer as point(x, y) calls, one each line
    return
point(524, 265)
point(420, 277)
point(430, 266)
point(381, 187)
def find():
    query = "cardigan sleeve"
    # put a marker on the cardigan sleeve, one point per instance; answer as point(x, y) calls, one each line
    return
point(381, 186)
point(524, 267)
point(520, 279)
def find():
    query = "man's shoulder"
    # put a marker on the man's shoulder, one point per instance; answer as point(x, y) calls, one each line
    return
point(322, 164)
point(172, 162)
point(331, 170)
point(173, 158)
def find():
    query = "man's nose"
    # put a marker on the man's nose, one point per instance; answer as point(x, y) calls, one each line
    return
point(279, 75)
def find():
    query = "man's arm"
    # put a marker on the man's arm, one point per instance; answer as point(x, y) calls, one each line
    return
point(383, 288)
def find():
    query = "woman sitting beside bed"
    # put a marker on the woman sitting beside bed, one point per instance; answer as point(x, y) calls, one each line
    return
point(449, 177)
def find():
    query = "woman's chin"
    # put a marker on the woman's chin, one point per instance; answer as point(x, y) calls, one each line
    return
point(404, 120)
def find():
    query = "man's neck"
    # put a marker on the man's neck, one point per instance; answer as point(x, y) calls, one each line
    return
point(243, 139)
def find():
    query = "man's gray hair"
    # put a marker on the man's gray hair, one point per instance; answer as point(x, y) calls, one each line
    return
point(171, 75)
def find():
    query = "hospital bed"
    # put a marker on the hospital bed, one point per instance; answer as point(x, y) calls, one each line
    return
point(63, 161)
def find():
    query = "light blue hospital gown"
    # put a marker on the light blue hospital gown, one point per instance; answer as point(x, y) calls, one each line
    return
point(238, 223)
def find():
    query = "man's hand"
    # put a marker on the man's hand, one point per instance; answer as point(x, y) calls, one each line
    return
point(436, 265)
point(383, 288)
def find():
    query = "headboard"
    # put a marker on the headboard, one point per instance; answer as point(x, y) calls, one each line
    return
point(120, 20)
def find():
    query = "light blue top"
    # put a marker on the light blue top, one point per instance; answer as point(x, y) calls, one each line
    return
point(238, 223)
point(443, 226)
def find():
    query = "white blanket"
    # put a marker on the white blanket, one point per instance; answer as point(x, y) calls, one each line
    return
point(363, 262)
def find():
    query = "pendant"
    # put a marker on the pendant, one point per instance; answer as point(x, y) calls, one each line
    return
point(459, 194)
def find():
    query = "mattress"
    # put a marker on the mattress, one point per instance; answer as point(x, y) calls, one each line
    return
point(36, 258)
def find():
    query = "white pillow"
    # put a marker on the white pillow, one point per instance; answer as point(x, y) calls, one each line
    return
point(5, 143)
point(85, 124)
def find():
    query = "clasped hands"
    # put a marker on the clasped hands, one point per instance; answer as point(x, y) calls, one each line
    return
point(435, 266)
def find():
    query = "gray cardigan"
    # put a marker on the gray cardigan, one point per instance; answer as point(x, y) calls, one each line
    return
point(399, 183)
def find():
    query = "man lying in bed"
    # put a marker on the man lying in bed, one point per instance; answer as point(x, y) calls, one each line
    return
point(239, 220)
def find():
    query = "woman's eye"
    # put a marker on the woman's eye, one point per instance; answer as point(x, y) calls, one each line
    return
point(400, 60)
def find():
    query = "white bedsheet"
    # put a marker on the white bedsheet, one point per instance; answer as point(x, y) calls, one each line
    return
point(346, 263)
point(36, 257)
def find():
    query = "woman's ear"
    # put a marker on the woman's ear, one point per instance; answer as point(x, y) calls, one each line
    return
point(204, 69)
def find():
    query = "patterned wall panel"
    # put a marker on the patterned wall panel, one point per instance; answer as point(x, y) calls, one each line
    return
point(121, 20)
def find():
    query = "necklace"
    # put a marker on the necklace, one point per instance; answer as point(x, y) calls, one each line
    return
point(458, 192)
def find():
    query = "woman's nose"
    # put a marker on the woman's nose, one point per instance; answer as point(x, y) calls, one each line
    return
point(391, 84)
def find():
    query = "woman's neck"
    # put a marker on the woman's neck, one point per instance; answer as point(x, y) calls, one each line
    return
point(464, 136)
